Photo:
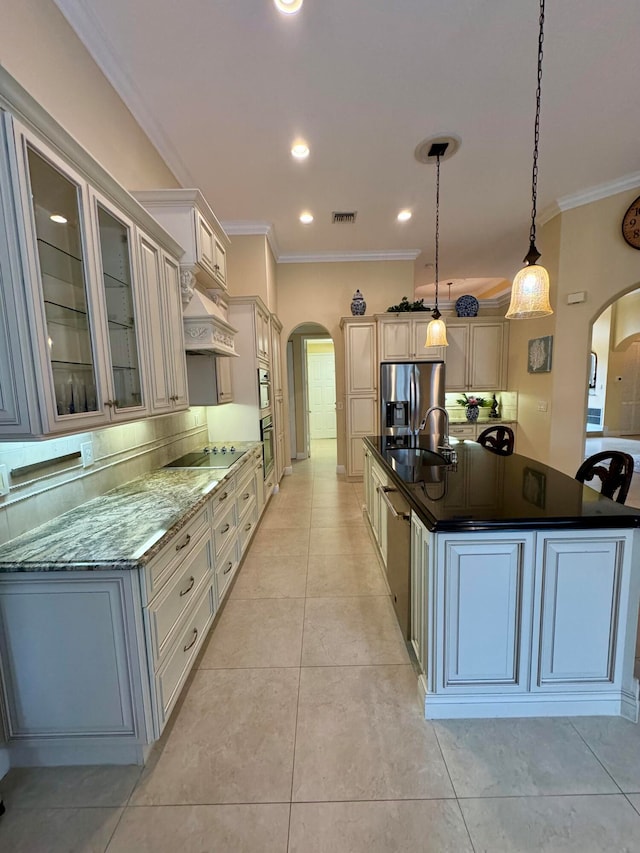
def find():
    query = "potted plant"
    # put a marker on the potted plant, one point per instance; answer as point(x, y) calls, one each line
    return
point(472, 405)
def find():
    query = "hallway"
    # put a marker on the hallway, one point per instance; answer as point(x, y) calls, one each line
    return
point(301, 732)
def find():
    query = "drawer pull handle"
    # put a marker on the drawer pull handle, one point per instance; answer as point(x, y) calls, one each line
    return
point(228, 569)
point(192, 580)
point(246, 496)
point(223, 497)
point(195, 637)
point(185, 543)
point(248, 526)
point(225, 528)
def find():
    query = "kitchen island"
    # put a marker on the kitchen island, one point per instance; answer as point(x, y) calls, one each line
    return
point(525, 584)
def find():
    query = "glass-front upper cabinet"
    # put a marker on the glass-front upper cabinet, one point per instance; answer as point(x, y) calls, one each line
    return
point(123, 310)
point(57, 217)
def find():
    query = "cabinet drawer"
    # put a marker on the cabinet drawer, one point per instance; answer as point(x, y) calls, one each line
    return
point(245, 495)
point(222, 497)
point(178, 595)
point(160, 569)
point(224, 528)
point(171, 676)
point(246, 527)
point(226, 566)
point(462, 431)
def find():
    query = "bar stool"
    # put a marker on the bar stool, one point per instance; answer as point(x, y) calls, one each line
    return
point(498, 439)
point(614, 470)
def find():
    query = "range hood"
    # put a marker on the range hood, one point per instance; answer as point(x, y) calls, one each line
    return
point(206, 330)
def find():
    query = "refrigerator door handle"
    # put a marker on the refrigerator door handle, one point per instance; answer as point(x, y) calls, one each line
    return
point(412, 402)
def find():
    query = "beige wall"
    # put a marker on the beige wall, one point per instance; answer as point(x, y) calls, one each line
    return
point(322, 292)
point(583, 250)
point(41, 51)
point(251, 269)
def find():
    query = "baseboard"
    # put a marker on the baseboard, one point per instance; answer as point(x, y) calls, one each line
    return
point(500, 705)
point(340, 469)
point(301, 455)
point(59, 755)
point(287, 471)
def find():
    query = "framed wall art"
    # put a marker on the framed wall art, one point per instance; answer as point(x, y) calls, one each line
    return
point(539, 356)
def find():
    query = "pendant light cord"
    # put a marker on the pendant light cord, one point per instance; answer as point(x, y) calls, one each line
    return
point(436, 312)
point(536, 134)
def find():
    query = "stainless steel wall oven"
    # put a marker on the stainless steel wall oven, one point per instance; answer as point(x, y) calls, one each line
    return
point(266, 436)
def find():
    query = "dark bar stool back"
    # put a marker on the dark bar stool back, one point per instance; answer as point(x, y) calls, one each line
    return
point(498, 439)
point(613, 468)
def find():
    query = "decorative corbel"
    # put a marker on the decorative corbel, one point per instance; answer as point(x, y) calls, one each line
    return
point(187, 284)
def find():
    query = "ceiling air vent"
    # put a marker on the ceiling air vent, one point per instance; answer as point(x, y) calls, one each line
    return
point(343, 218)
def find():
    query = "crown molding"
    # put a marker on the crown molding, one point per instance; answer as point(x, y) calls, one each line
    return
point(88, 29)
point(591, 194)
point(341, 257)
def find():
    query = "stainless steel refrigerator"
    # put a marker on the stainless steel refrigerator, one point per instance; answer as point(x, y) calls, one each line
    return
point(407, 391)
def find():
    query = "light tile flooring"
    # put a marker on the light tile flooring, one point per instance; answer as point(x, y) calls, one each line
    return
point(301, 731)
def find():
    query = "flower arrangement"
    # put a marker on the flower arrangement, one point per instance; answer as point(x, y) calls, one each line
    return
point(472, 400)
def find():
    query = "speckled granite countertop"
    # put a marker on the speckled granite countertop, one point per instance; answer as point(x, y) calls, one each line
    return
point(122, 529)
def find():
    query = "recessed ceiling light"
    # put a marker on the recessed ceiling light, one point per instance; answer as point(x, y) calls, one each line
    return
point(300, 150)
point(288, 7)
point(58, 217)
point(404, 216)
point(306, 218)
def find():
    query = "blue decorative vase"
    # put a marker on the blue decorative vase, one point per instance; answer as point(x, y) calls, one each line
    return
point(472, 413)
point(358, 305)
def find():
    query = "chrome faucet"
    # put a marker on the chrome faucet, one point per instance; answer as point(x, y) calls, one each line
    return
point(445, 448)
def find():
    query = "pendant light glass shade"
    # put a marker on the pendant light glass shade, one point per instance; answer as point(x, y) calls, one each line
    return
point(436, 334)
point(530, 294)
point(530, 289)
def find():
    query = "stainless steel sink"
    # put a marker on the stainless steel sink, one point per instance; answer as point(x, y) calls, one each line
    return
point(416, 457)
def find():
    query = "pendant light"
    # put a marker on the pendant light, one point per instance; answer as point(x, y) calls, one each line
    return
point(436, 330)
point(530, 289)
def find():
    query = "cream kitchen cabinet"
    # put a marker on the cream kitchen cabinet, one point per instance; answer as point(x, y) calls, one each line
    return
point(187, 216)
point(210, 380)
point(476, 358)
point(402, 337)
point(161, 276)
point(361, 387)
point(263, 332)
point(77, 312)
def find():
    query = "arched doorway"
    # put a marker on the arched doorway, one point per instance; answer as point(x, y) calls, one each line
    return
point(312, 391)
point(613, 398)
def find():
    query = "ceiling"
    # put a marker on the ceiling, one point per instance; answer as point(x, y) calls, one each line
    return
point(224, 87)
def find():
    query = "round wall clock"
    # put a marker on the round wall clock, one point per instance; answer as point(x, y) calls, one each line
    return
point(631, 224)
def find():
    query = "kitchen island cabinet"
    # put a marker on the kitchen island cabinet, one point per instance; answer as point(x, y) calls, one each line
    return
point(104, 610)
point(525, 587)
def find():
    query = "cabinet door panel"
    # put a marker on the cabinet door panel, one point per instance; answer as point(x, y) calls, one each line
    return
point(205, 244)
point(175, 332)
point(151, 275)
point(486, 356)
point(362, 415)
point(395, 340)
point(456, 357)
point(362, 370)
point(483, 587)
point(123, 308)
point(580, 592)
point(419, 351)
point(55, 204)
point(71, 676)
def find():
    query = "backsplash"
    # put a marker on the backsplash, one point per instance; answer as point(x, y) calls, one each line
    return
point(121, 453)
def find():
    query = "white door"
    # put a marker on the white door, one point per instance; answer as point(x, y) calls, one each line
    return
point(321, 379)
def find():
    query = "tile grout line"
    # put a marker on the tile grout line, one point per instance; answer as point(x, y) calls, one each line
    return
point(453, 787)
point(577, 731)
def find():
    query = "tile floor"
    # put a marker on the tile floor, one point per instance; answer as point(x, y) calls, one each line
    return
point(301, 732)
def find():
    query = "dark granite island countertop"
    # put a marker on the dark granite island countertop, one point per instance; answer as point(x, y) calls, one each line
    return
point(486, 491)
point(122, 529)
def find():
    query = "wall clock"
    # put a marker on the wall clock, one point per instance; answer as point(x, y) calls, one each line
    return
point(631, 224)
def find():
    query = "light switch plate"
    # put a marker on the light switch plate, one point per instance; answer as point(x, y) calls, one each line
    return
point(86, 452)
point(4, 480)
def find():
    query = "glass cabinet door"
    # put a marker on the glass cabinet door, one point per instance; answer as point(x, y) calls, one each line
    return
point(57, 212)
point(123, 329)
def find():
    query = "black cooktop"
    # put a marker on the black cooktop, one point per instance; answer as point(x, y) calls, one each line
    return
point(210, 458)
